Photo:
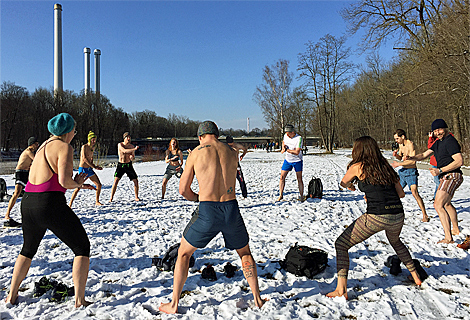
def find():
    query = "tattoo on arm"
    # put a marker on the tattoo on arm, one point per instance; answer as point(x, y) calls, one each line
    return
point(248, 269)
point(230, 190)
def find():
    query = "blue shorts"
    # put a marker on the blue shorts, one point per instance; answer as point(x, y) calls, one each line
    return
point(212, 217)
point(408, 177)
point(89, 171)
point(287, 166)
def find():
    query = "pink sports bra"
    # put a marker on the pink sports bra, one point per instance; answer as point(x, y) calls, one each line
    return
point(50, 185)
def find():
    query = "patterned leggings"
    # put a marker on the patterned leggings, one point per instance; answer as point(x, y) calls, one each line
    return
point(366, 226)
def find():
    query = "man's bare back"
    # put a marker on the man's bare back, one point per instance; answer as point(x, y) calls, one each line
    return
point(215, 166)
point(25, 160)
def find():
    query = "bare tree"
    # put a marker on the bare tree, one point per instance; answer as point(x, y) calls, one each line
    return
point(273, 96)
point(408, 20)
point(325, 68)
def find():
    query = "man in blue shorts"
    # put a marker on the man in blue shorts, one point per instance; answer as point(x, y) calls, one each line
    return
point(215, 165)
point(292, 147)
point(86, 166)
point(409, 172)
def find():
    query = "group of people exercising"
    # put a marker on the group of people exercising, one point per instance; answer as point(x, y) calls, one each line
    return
point(216, 167)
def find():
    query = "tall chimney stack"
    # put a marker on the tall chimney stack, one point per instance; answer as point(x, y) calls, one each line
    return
point(58, 79)
point(87, 52)
point(248, 125)
point(97, 53)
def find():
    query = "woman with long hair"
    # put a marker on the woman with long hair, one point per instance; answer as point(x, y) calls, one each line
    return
point(381, 185)
point(174, 158)
point(44, 207)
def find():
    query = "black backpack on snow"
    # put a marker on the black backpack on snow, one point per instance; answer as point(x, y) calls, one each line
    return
point(315, 188)
point(167, 263)
point(305, 261)
point(3, 190)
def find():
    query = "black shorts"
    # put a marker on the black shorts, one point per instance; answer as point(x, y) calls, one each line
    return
point(21, 177)
point(126, 168)
point(49, 210)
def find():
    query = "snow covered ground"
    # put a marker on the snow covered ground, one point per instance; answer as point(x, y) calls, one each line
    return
point(125, 235)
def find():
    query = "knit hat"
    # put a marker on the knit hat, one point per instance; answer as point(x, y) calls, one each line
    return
point(229, 139)
point(91, 135)
point(207, 127)
point(32, 140)
point(61, 124)
point(289, 128)
point(438, 124)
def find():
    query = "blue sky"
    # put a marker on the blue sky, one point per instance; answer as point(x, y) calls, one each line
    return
point(199, 59)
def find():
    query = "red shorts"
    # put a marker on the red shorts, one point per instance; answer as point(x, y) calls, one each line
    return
point(449, 182)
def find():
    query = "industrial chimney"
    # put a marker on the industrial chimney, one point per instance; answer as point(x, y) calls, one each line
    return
point(97, 53)
point(58, 80)
point(248, 125)
point(87, 52)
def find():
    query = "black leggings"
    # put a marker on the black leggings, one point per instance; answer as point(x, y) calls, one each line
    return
point(48, 210)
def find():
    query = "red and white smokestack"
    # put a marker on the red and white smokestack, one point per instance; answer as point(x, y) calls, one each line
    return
point(87, 52)
point(58, 80)
point(97, 53)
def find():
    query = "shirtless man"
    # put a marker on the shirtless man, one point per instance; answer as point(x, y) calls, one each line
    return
point(86, 166)
point(21, 178)
point(215, 166)
point(237, 147)
point(449, 160)
point(126, 152)
point(408, 173)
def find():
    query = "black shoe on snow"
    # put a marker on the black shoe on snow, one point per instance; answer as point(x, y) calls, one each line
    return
point(229, 270)
point(42, 287)
point(209, 273)
point(421, 273)
point(393, 262)
point(10, 223)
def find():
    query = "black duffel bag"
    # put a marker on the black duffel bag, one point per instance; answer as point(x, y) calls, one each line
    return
point(305, 261)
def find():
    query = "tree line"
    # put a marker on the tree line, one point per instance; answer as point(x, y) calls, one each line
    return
point(340, 101)
point(24, 114)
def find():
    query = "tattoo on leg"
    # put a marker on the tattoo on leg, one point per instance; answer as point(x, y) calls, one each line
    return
point(248, 269)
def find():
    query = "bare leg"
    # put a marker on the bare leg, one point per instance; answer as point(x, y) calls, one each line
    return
point(282, 183)
point(414, 192)
point(165, 181)
point(20, 271)
point(341, 289)
point(301, 184)
point(442, 199)
point(113, 188)
point(185, 252)
point(74, 195)
point(453, 218)
point(14, 197)
point(136, 189)
point(97, 183)
point(416, 278)
point(251, 274)
point(80, 268)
